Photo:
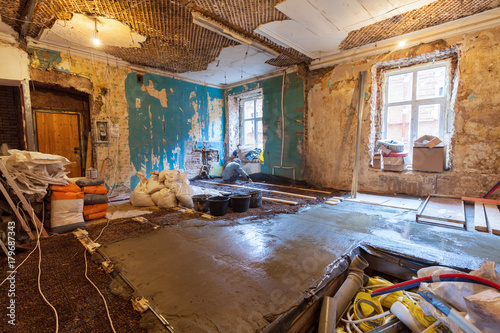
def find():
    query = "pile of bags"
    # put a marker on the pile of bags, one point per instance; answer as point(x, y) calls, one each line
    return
point(34, 172)
point(95, 198)
point(66, 207)
point(165, 190)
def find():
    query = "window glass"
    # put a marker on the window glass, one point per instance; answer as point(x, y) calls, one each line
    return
point(249, 109)
point(428, 119)
point(398, 123)
point(399, 88)
point(260, 135)
point(431, 83)
point(258, 104)
point(249, 132)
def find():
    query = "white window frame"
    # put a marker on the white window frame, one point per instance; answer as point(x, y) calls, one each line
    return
point(443, 101)
point(255, 119)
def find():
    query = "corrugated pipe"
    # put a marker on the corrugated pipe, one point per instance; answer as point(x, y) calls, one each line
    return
point(333, 308)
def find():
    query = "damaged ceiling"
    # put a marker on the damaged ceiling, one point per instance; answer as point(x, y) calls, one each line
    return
point(236, 39)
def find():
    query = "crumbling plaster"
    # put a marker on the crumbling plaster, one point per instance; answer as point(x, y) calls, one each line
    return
point(475, 159)
point(152, 119)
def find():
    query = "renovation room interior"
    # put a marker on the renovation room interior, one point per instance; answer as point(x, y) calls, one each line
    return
point(360, 117)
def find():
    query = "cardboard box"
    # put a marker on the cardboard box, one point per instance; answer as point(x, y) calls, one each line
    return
point(377, 161)
point(394, 164)
point(430, 141)
point(429, 159)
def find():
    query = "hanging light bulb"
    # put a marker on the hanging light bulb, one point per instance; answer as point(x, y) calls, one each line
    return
point(96, 40)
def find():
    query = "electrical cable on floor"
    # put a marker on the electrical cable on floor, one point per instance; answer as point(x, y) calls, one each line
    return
point(105, 304)
point(107, 225)
point(39, 232)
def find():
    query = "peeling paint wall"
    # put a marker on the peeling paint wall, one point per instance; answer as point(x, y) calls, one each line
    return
point(272, 120)
point(151, 121)
point(475, 159)
point(166, 119)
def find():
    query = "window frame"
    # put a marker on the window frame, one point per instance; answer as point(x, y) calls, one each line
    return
point(254, 119)
point(444, 101)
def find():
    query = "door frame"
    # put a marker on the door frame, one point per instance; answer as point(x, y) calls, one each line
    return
point(80, 127)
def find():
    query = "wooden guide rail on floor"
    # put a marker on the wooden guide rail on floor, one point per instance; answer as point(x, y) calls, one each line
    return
point(295, 188)
point(293, 203)
point(260, 189)
point(23, 200)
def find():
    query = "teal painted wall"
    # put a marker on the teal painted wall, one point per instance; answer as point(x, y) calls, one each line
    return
point(294, 110)
point(171, 113)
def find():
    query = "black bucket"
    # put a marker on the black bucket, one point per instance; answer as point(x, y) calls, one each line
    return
point(218, 205)
point(255, 199)
point(200, 202)
point(227, 195)
point(240, 202)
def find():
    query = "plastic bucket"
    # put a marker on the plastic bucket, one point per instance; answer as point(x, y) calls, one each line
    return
point(240, 202)
point(200, 202)
point(255, 199)
point(227, 195)
point(218, 205)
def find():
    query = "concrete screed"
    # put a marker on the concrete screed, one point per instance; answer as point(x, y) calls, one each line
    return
point(207, 276)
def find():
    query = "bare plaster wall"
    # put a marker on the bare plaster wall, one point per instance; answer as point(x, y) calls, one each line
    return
point(475, 160)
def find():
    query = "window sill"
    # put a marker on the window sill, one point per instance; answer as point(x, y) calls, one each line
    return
point(409, 171)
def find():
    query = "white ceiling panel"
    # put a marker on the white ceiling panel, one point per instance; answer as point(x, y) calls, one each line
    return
point(233, 65)
point(308, 15)
point(317, 27)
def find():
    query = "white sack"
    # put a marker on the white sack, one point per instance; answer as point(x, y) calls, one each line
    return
point(154, 185)
point(155, 197)
point(166, 199)
point(140, 196)
point(185, 192)
point(64, 212)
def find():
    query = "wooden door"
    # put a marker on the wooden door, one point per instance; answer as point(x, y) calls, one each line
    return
point(58, 133)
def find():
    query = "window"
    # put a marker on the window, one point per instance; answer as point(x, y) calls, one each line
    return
point(415, 102)
point(251, 133)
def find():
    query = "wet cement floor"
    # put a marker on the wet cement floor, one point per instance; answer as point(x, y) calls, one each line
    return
point(207, 276)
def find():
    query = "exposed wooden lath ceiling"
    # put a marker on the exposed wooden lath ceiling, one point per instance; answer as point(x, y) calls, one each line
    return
point(436, 13)
point(174, 43)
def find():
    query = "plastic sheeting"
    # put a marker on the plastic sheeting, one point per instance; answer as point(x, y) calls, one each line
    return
point(34, 172)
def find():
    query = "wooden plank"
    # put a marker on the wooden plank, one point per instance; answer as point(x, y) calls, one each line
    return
point(21, 197)
point(493, 218)
point(444, 209)
point(480, 217)
point(260, 189)
point(387, 201)
point(293, 203)
point(489, 201)
point(16, 211)
point(295, 188)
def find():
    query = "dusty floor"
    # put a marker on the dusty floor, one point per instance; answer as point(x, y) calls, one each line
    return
point(209, 276)
point(241, 270)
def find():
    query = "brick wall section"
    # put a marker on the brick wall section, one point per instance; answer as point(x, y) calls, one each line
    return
point(10, 117)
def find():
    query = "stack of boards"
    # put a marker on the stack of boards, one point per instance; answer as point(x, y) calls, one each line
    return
point(450, 212)
point(487, 217)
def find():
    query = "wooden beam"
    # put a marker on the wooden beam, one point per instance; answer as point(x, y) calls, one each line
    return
point(488, 201)
point(21, 197)
point(493, 218)
point(293, 203)
point(16, 211)
point(27, 16)
point(480, 217)
point(260, 189)
point(295, 188)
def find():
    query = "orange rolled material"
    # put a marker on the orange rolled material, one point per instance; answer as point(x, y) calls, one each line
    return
point(95, 216)
point(99, 189)
point(67, 196)
point(71, 187)
point(91, 209)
